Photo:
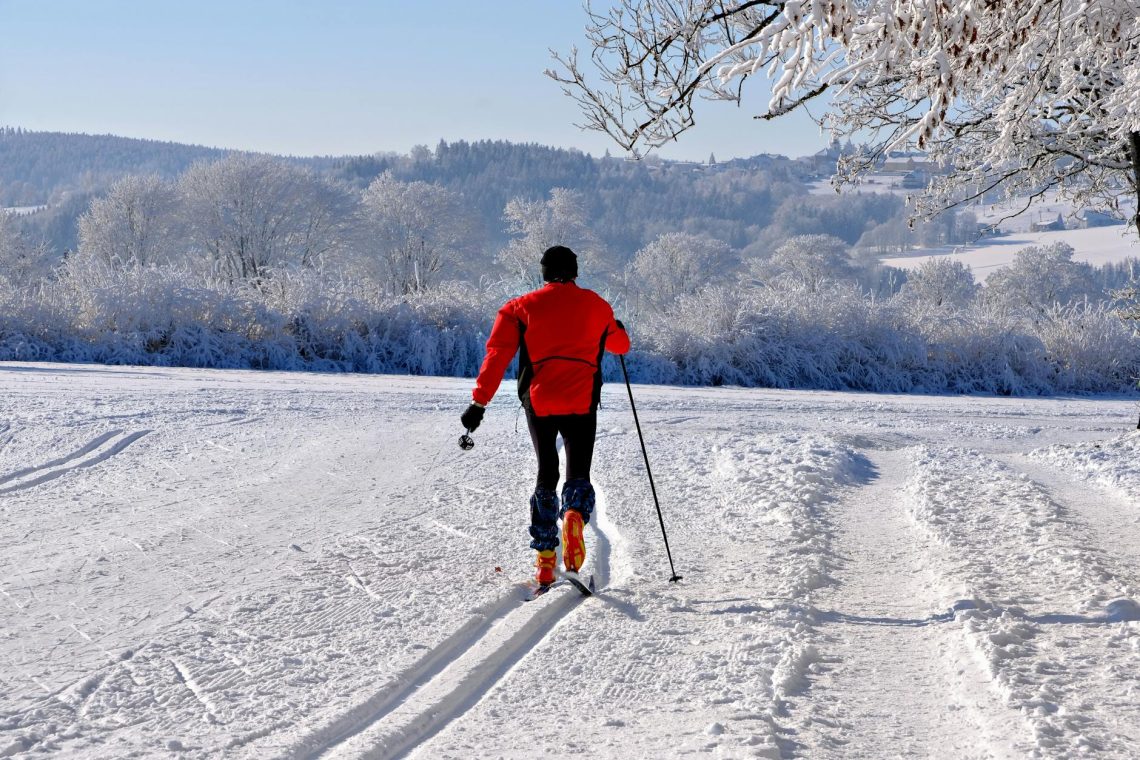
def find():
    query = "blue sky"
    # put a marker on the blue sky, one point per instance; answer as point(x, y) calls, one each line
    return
point(321, 77)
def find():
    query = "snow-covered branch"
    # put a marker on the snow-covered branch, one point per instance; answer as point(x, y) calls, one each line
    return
point(1032, 93)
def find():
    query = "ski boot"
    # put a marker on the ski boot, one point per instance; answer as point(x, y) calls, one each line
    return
point(577, 504)
point(573, 542)
point(545, 563)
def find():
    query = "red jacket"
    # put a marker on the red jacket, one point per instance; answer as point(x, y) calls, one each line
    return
point(560, 332)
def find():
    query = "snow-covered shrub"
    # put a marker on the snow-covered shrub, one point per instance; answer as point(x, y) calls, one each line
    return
point(24, 263)
point(941, 282)
point(1088, 348)
point(294, 320)
point(783, 337)
point(247, 214)
point(1126, 302)
point(417, 231)
point(535, 225)
point(1039, 278)
point(136, 223)
point(807, 261)
point(677, 264)
point(834, 338)
point(793, 334)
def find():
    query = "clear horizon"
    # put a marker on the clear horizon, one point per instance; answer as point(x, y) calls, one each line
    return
point(239, 149)
point(349, 78)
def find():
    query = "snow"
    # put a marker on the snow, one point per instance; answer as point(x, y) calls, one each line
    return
point(204, 563)
point(1095, 245)
point(1019, 213)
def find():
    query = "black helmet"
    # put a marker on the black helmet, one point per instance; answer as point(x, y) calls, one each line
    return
point(559, 264)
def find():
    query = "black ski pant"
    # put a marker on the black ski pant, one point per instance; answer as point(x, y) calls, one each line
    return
point(577, 431)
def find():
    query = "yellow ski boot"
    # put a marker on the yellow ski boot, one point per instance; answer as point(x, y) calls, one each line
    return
point(545, 563)
point(573, 542)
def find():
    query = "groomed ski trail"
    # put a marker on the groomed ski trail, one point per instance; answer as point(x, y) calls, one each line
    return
point(928, 698)
point(276, 588)
point(455, 676)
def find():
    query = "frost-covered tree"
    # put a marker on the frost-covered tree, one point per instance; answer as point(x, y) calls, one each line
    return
point(251, 214)
point(415, 229)
point(678, 264)
point(1019, 96)
point(808, 261)
point(941, 283)
point(1040, 277)
point(23, 262)
point(132, 224)
point(1126, 302)
point(562, 219)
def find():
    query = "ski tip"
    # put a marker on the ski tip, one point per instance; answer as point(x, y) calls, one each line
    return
point(578, 583)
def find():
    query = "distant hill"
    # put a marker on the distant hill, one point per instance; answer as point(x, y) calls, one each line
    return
point(630, 202)
point(38, 168)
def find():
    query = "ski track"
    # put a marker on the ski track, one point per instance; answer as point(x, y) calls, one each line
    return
point(83, 450)
point(458, 673)
point(740, 645)
point(1111, 521)
point(59, 467)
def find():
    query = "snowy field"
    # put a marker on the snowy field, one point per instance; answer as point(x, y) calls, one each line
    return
point(1096, 246)
point(204, 564)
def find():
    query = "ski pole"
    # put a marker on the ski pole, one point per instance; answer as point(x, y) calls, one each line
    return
point(648, 472)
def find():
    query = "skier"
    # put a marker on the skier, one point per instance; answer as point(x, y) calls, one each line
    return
point(560, 332)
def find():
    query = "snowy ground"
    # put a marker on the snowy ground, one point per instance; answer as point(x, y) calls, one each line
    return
point(203, 564)
point(1096, 246)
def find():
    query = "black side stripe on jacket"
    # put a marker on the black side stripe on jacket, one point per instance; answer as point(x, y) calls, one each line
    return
point(567, 358)
point(596, 401)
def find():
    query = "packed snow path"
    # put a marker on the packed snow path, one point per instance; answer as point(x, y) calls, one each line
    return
point(203, 564)
point(888, 601)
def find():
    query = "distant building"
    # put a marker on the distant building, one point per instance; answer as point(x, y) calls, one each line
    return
point(22, 210)
point(825, 161)
point(1054, 225)
point(915, 180)
point(906, 162)
point(1092, 218)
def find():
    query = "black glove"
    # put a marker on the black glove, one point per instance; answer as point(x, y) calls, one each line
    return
point(472, 417)
point(620, 325)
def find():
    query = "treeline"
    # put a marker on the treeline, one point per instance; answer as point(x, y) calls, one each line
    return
point(43, 168)
point(627, 203)
point(756, 202)
point(790, 325)
point(381, 266)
